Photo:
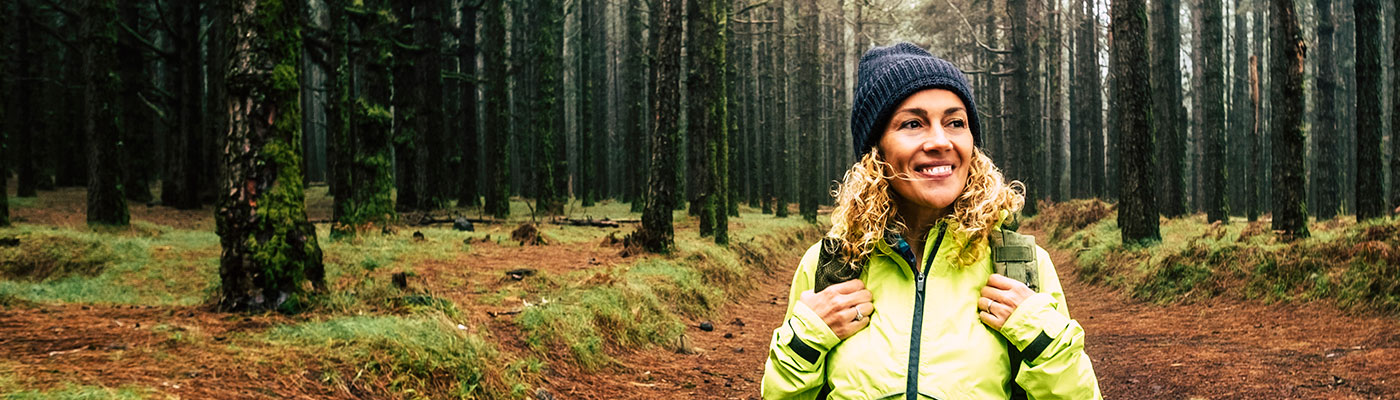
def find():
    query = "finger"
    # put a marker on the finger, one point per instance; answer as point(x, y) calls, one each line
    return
point(1000, 281)
point(998, 295)
point(866, 309)
point(860, 296)
point(847, 286)
point(984, 304)
point(805, 295)
point(1002, 311)
point(990, 319)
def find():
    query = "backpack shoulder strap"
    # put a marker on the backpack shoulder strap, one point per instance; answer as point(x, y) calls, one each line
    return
point(831, 266)
point(1013, 256)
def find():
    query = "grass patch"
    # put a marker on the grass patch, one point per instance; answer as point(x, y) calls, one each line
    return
point(422, 356)
point(1357, 265)
point(146, 264)
point(43, 257)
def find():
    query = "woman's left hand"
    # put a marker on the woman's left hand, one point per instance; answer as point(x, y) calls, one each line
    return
point(1000, 298)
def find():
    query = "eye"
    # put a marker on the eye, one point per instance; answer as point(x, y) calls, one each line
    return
point(957, 123)
point(911, 124)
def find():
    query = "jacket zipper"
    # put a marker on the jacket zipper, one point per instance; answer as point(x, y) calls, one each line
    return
point(911, 391)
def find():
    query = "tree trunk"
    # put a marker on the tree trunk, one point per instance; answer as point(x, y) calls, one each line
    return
point(106, 203)
point(546, 58)
point(635, 95)
point(495, 109)
point(468, 192)
point(589, 74)
point(365, 146)
point(1166, 86)
point(137, 119)
point(1242, 115)
point(656, 233)
point(183, 178)
point(708, 113)
point(782, 174)
point(24, 121)
point(1327, 176)
point(1395, 109)
point(1137, 210)
point(809, 74)
point(1025, 159)
point(1290, 212)
point(269, 248)
point(1370, 197)
point(1213, 97)
point(1057, 182)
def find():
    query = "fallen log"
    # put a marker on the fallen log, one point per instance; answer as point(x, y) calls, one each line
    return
point(597, 223)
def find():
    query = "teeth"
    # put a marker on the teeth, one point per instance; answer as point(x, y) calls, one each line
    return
point(937, 170)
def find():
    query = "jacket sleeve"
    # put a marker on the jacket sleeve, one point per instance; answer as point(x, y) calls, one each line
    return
point(796, 366)
point(1054, 364)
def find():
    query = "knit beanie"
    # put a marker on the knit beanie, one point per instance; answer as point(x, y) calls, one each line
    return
point(887, 75)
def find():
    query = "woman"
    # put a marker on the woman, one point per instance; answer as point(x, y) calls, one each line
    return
point(933, 323)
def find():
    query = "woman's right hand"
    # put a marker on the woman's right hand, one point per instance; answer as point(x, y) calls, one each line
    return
point(845, 307)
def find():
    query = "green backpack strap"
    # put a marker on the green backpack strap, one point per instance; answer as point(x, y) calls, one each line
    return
point(832, 267)
point(1013, 256)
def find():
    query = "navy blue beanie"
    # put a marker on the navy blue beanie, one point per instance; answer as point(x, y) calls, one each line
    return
point(887, 75)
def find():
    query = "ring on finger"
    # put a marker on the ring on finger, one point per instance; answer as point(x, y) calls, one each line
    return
point(858, 316)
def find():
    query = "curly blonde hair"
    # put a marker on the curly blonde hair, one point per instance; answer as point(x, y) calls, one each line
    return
point(865, 208)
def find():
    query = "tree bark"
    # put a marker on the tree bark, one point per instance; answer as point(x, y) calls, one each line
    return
point(1395, 110)
point(1370, 196)
point(495, 109)
point(269, 248)
point(1137, 210)
point(1213, 130)
point(809, 73)
point(106, 202)
point(708, 113)
point(1286, 66)
point(1327, 176)
point(1166, 86)
point(183, 179)
point(656, 233)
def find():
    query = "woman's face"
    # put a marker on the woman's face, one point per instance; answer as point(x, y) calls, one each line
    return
point(929, 143)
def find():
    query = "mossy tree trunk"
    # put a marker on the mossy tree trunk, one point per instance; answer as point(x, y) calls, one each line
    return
point(1395, 110)
point(106, 202)
point(546, 111)
point(708, 114)
point(495, 109)
point(269, 248)
point(365, 187)
point(635, 96)
point(1286, 68)
point(1137, 210)
point(657, 233)
point(1370, 196)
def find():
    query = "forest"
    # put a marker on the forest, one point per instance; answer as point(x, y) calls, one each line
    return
point(523, 192)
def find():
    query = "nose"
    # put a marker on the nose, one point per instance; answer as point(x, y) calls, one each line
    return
point(936, 140)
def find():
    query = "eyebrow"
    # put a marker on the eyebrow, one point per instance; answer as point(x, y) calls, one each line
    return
point(920, 112)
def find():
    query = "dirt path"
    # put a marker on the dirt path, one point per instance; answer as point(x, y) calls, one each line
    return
point(1228, 349)
point(1225, 349)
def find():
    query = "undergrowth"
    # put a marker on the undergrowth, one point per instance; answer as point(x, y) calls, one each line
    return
point(1357, 265)
point(424, 355)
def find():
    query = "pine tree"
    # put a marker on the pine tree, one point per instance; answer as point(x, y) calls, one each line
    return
point(1137, 210)
point(1327, 178)
point(1286, 68)
point(495, 109)
point(469, 188)
point(106, 202)
point(808, 74)
point(1395, 111)
point(1213, 131)
point(269, 248)
point(1370, 196)
point(708, 112)
point(656, 233)
point(1166, 86)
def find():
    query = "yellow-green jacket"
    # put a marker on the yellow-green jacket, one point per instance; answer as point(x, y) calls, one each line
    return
point(959, 357)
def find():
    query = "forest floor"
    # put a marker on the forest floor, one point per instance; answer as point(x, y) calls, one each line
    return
point(63, 340)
